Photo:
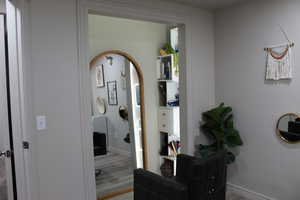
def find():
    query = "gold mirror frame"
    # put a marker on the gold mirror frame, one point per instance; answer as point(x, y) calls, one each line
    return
point(278, 131)
point(143, 122)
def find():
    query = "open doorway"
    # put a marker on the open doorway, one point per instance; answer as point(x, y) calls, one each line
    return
point(135, 109)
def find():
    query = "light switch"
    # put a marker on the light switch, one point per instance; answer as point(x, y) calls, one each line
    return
point(40, 123)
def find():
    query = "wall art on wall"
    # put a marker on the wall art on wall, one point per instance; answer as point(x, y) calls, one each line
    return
point(123, 79)
point(100, 104)
point(279, 62)
point(112, 93)
point(100, 77)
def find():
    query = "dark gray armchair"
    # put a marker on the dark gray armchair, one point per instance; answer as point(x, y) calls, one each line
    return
point(196, 179)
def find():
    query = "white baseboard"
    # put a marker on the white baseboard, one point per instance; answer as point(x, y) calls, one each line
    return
point(247, 193)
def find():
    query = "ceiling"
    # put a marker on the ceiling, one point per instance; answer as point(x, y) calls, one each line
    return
point(212, 4)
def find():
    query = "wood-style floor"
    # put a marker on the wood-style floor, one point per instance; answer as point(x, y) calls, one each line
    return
point(229, 196)
point(117, 173)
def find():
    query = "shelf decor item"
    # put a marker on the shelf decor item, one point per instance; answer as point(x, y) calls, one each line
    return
point(167, 168)
point(169, 50)
point(112, 93)
point(218, 126)
point(99, 77)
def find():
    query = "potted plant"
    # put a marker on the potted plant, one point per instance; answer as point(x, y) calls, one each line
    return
point(218, 126)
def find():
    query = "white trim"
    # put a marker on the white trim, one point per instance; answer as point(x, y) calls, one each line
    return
point(133, 10)
point(85, 111)
point(17, 101)
point(249, 194)
point(4, 125)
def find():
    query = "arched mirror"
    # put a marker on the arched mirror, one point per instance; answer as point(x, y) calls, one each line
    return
point(288, 128)
point(119, 135)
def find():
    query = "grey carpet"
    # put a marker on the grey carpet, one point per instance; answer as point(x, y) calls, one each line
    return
point(117, 173)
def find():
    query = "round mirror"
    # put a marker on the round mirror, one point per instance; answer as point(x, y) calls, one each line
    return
point(101, 107)
point(288, 128)
point(123, 112)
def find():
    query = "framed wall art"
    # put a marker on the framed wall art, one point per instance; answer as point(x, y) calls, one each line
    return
point(112, 93)
point(100, 77)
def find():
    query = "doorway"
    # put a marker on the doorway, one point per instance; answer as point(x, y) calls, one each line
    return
point(86, 55)
point(143, 48)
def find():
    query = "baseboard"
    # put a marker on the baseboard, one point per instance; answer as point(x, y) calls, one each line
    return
point(247, 193)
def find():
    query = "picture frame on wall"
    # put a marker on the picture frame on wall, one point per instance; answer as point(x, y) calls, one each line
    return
point(100, 82)
point(112, 93)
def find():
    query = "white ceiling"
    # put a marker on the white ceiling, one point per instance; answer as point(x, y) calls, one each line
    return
point(212, 4)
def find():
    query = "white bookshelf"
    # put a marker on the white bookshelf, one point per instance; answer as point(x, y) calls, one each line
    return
point(168, 111)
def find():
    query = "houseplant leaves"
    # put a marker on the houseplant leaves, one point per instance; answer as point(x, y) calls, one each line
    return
point(219, 127)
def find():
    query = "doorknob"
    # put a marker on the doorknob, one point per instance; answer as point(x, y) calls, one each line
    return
point(6, 154)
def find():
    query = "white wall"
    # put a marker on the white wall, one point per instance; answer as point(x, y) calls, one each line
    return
point(265, 164)
point(54, 85)
point(2, 6)
point(142, 40)
point(117, 127)
point(53, 81)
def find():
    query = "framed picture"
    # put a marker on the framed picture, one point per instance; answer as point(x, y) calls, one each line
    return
point(112, 93)
point(99, 77)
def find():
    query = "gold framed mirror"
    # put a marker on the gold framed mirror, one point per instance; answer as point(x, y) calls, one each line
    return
point(288, 128)
point(124, 79)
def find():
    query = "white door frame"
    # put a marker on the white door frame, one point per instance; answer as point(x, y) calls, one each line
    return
point(119, 8)
point(13, 12)
point(4, 112)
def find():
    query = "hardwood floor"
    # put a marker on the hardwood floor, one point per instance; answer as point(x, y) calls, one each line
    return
point(117, 173)
point(229, 196)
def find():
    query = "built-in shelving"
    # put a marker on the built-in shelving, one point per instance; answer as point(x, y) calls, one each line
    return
point(169, 109)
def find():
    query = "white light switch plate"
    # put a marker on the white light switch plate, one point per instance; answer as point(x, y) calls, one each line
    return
point(40, 123)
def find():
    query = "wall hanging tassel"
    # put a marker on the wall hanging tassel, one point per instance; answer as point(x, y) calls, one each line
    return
point(279, 62)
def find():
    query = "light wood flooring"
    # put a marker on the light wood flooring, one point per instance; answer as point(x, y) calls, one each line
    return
point(117, 173)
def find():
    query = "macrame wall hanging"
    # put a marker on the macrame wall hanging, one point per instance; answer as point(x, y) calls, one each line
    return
point(279, 60)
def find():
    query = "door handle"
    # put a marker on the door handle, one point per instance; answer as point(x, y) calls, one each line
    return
point(6, 154)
